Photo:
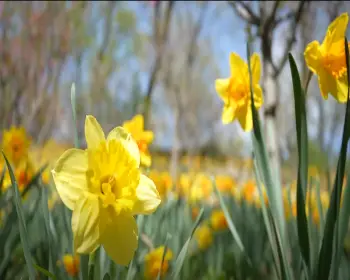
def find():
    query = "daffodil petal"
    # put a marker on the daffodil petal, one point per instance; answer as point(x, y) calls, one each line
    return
point(148, 198)
point(121, 134)
point(146, 159)
point(88, 222)
point(69, 176)
point(342, 89)
point(120, 239)
point(138, 121)
point(258, 96)
point(147, 136)
point(327, 84)
point(256, 68)
point(237, 65)
point(228, 114)
point(94, 134)
point(221, 87)
point(336, 30)
point(312, 56)
point(245, 117)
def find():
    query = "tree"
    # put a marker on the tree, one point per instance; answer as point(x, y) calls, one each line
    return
point(265, 23)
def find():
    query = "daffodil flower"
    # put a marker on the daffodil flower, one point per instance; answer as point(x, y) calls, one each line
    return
point(328, 61)
point(235, 91)
point(153, 262)
point(143, 138)
point(103, 187)
point(15, 144)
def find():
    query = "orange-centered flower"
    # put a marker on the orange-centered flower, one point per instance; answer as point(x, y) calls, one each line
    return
point(16, 144)
point(142, 137)
point(153, 262)
point(104, 188)
point(328, 60)
point(235, 91)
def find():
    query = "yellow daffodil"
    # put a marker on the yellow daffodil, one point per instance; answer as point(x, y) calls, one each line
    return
point(201, 189)
point(224, 183)
point(162, 181)
point(142, 137)
point(71, 264)
point(23, 174)
point(15, 144)
point(235, 91)
point(218, 220)
point(153, 262)
point(204, 236)
point(328, 61)
point(104, 188)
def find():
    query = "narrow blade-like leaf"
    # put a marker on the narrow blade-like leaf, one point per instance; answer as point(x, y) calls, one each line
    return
point(302, 139)
point(21, 222)
point(183, 253)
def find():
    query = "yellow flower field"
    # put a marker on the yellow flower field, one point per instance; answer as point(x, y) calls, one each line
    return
point(113, 206)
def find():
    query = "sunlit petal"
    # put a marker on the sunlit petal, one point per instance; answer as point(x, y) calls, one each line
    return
point(69, 176)
point(120, 239)
point(228, 114)
point(336, 31)
point(221, 87)
point(237, 65)
point(327, 84)
point(88, 222)
point(245, 117)
point(93, 132)
point(121, 134)
point(148, 198)
point(312, 56)
point(256, 68)
point(258, 96)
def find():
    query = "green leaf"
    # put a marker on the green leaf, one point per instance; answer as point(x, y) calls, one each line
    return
point(326, 254)
point(281, 253)
point(266, 219)
point(183, 253)
point(302, 138)
point(92, 264)
point(274, 191)
point(47, 218)
point(44, 271)
point(231, 225)
point(344, 216)
point(2, 177)
point(319, 205)
point(21, 222)
point(129, 275)
point(106, 277)
point(168, 236)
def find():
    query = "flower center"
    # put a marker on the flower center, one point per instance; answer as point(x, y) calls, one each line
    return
point(142, 145)
point(238, 91)
point(108, 189)
point(334, 60)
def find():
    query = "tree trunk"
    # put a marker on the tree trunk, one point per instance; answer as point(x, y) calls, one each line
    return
point(175, 150)
point(270, 118)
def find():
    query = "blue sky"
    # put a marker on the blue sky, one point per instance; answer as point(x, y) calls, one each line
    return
point(228, 35)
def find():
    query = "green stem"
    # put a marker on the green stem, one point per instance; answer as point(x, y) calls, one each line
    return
point(92, 265)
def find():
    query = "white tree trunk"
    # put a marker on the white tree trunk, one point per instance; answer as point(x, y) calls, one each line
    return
point(174, 157)
point(270, 119)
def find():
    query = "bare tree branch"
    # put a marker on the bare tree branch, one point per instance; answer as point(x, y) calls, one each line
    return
point(158, 61)
point(291, 40)
point(245, 12)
